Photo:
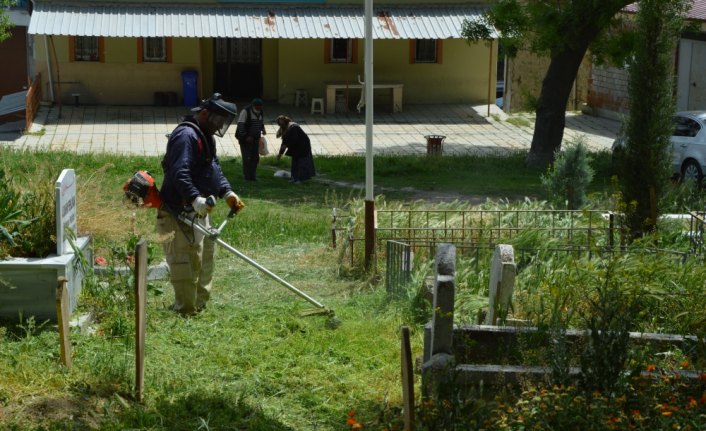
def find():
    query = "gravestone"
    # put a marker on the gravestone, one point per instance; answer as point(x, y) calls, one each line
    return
point(502, 282)
point(28, 284)
point(65, 198)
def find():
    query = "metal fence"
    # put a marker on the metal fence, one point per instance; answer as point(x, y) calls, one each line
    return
point(459, 227)
point(398, 263)
point(476, 232)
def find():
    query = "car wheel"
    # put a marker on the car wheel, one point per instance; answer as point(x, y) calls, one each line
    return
point(691, 171)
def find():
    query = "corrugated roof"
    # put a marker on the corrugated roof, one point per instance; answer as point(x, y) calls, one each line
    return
point(696, 13)
point(233, 21)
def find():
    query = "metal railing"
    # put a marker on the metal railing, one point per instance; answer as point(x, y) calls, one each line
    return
point(696, 232)
point(579, 228)
point(582, 233)
point(398, 263)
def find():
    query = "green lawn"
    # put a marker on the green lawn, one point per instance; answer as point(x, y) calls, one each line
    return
point(250, 361)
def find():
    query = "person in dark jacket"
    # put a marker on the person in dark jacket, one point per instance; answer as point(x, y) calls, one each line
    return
point(192, 174)
point(296, 144)
point(251, 126)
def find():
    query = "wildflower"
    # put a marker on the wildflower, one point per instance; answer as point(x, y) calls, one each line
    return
point(650, 368)
point(667, 413)
point(101, 261)
point(685, 364)
point(691, 403)
point(613, 419)
point(351, 413)
point(351, 421)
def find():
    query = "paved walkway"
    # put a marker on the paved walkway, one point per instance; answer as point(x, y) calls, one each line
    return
point(141, 130)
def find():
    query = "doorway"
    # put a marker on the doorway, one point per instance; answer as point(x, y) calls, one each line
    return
point(238, 68)
point(691, 81)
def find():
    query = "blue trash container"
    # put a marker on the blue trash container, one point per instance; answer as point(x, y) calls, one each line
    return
point(189, 78)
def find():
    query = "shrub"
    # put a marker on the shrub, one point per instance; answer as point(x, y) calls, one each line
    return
point(568, 179)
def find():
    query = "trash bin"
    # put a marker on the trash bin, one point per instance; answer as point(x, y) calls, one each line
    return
point(435, 144)
point(189, 78)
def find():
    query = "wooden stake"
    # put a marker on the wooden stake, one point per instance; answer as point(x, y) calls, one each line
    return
point(407, 381)
point(62, 318)
point(140, 316)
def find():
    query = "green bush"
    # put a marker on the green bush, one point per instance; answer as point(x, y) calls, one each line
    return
point(568, 179)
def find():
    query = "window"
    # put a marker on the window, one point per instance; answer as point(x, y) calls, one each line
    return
point(425, 51)
point(154, 49)
point(341, 51)
point(685, 127)
point(86, 48)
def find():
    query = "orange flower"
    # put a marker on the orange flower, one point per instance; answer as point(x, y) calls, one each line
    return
point(685, 364)
point(613, 419)
point(691, 403)
point(101, 261)
point(650, 368)
point(351, 421)
point(666, 413)
point(351, 413)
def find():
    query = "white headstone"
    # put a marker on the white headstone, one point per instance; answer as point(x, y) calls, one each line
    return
point(502, 282)
point(65, 198)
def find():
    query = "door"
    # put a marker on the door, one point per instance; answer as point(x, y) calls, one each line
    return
point(697, 77)
point(238, 68)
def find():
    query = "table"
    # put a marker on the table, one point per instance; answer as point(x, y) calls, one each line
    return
point(332, 86)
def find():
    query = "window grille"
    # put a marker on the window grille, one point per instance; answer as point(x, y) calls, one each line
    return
point(154, 49)
point(341, 51)
point(86, 48)
point(425, 51)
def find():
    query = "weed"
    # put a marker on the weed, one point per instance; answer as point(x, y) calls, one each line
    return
point(519, 121)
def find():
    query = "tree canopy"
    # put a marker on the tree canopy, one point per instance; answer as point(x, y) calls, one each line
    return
point(5, 23)
point(563, 30)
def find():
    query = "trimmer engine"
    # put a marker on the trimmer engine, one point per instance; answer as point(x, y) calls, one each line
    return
point(141, 191)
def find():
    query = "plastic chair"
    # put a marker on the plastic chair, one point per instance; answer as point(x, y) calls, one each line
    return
point(317, 105)
point(301, 97)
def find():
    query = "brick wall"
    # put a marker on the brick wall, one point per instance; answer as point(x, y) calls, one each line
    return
point(608, 89)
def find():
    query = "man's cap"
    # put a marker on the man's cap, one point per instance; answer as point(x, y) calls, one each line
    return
point(216, 104)
point(257, 102)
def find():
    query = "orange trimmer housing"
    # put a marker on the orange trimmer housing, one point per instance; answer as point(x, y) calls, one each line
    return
point(141, 191)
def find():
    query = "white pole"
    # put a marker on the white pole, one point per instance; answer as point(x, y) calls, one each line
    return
point(369, 100)
point(51, 85)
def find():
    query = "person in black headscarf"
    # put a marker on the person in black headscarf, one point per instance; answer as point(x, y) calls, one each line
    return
point(296, 144)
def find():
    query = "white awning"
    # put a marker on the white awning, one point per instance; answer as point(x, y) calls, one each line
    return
point(237, 21)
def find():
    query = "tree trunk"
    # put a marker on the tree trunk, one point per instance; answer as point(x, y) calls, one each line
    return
point(551, 110)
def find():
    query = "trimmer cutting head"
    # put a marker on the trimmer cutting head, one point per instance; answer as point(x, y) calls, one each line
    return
point(332, 322)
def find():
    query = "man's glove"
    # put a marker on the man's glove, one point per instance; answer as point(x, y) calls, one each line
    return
point(234, 201)
point(201, 206)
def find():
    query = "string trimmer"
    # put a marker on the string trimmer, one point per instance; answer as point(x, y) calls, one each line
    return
point(141, 186)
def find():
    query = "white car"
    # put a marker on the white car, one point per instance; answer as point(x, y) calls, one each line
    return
point(688, 145)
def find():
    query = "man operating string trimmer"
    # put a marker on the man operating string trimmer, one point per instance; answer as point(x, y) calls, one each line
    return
point(192, 177)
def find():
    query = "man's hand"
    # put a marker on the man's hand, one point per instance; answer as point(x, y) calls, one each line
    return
point(201, 206)
point(234, 201)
